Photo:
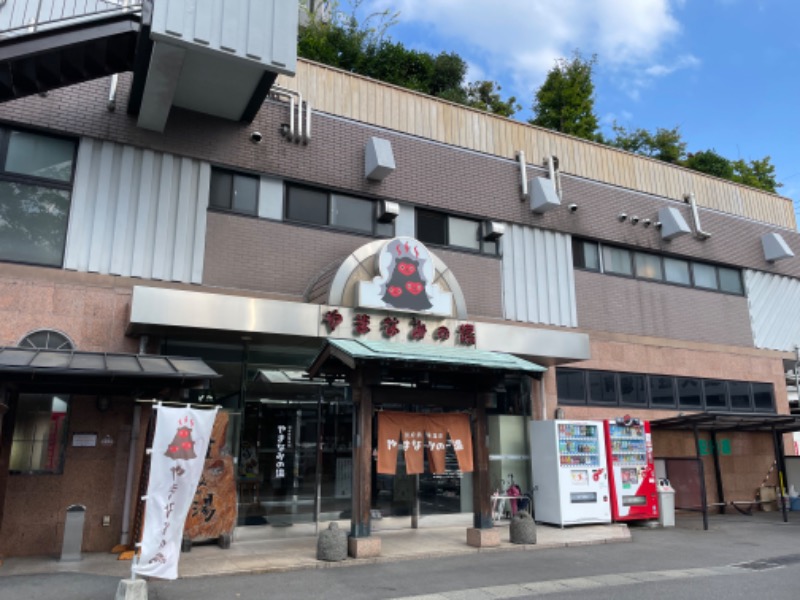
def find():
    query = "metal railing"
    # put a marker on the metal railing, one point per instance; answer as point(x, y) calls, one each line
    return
point(20, 17)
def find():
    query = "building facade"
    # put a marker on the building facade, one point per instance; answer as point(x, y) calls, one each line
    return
point(246, 239)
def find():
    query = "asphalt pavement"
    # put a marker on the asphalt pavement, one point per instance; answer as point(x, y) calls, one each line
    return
point(738, 557)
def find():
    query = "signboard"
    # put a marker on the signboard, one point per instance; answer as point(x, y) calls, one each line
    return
point(84, 440)
point(405, 281)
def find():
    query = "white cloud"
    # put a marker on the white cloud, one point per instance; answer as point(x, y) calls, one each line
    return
point(686, 61)
point(518, 41)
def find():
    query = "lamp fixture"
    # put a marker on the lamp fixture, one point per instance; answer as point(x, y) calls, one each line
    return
point(646, 222)
point(573, 208)
point(622, 217)
point(634, 220)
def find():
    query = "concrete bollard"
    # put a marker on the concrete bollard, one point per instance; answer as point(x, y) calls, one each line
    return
point(522, 529)
point(132, 589)
point(332, 544)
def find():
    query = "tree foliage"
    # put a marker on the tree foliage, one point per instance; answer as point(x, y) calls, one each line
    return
point(665, 144)
point(342, 41)
point(565, 102)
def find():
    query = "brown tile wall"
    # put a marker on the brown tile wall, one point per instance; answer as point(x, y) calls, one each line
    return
point(91, 310)
point(35, 507)
point(625, 305)
point(427, 173)
point(268, 256)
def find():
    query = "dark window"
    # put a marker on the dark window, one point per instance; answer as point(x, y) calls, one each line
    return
point(730, 280)
point(716, 394)
point(571, 386)
point(306, 205)
point(689, 393)
point(234, 192)
point(662, 391)
point(740, 395)
point(763, 397)
point(40, 427)
point(585, 255)
point(431, 227)
point(602, 387)
point(648, 266)
point(35, 192)
point(632, 390)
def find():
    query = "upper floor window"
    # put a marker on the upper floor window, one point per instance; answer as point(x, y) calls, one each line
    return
point(654, 391)
point(322, 207)
point(606, 258)
point(46, 339)
point(36, 173)
point(449, 230)
point(234, 191)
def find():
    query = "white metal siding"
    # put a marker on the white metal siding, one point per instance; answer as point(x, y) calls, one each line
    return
point(263, 31)
point(774, 314)
point(137, 213)
point(538, 282)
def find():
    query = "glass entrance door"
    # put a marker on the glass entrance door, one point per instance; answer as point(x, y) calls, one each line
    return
point(282, 466)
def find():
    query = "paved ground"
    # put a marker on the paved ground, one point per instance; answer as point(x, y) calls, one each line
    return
point(739, 557)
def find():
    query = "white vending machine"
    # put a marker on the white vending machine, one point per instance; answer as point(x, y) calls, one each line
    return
point(570, 475)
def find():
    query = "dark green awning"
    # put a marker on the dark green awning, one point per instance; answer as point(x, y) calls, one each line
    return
point(350, 352)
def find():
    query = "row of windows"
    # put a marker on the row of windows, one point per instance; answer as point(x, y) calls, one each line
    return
point(644, 265)
point(35, 189)
point(237, 192)
point(606, 388)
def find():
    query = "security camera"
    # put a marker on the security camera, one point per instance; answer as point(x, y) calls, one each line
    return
point(573, 208)
point(255, 137)
point(622, 216)
point(634, 220)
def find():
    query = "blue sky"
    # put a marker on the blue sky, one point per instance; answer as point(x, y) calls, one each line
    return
point(727, 72)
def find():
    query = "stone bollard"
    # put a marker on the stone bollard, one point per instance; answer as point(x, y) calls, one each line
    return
point(523, 528)
point(332, 544)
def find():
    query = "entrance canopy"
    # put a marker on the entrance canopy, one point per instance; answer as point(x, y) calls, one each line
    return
point(349, 353)
point(723, 421)
point(69, 370)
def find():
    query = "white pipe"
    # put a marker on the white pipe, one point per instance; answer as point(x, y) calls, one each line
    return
point(523, 174)
point(299, 117)
point(112, 93)
point(291, 117)
point(126, 510)
point(544, 399)
point(703, 235)
point(308, 123)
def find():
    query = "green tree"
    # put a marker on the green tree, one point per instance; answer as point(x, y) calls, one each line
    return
point(711, 163)
point(664, 144)
point(757, 173)
point(340, 40)
point(565, 102)
point(485, 95)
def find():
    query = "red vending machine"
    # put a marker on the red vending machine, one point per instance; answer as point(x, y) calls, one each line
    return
point(629, 449)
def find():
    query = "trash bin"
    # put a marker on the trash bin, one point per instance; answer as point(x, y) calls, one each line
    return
point(73, 533)
point(666, 503)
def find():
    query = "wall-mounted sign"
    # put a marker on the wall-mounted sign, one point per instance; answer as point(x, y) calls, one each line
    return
point(84, 440)
point(405, 281)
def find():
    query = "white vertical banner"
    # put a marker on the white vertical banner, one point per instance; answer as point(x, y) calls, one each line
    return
point(178, 455)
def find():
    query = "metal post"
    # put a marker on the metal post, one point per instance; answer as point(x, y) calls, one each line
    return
point(777, 440)
point(718, 472)
point(703, 499)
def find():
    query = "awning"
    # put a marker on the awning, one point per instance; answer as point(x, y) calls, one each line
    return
point(419, 355)
point(724, 421)
point(71, 369)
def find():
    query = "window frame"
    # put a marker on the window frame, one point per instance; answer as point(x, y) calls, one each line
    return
point(233, 175)
point(483, 244)
point(61, 443)
point(46, 183)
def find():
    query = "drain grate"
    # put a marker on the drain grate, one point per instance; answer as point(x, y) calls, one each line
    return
point(769, 563)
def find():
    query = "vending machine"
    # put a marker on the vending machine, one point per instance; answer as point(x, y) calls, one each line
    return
point(631, 470)
point(570, 474)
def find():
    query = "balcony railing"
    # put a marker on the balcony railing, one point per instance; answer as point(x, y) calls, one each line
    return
point(20, 17)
